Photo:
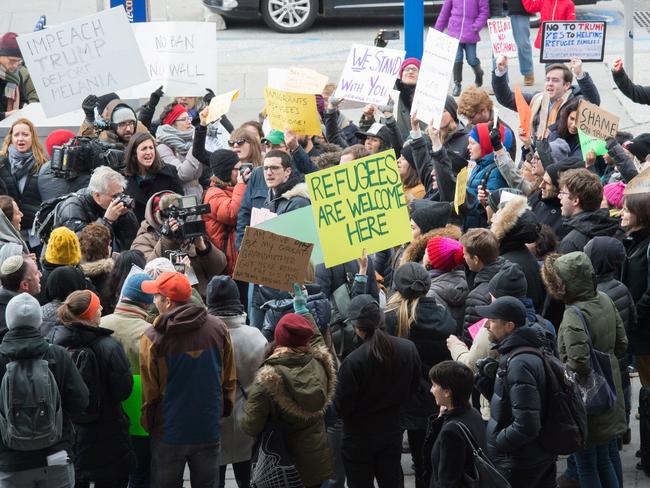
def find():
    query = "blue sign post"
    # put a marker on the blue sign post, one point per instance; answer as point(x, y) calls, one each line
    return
point(136, 10)
point(414, 28)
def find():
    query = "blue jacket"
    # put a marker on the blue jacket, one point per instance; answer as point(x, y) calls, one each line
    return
point(474, 215)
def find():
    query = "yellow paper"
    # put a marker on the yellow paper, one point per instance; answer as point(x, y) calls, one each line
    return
point(359, 205)
point(305, 80)
point(461, 188)
point(220, 105)
point(293, 111)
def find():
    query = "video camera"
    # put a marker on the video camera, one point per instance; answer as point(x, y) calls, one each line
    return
point(84, 154)
point(187, 208)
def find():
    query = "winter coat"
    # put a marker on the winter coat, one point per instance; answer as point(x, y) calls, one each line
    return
point(103, 449)
point(487, 174)
point(291, 195)
point(548, 211)
point(636, 93)
point(29, 199)
point(429, 333)
point(188, 169)
point(143, 189)
point(50, 317)
point(479, 294)
point(128, 323)
point(549, 10)
point(5, 296)
point(517, 408)
point(368, 397)
point(332, 278)
point(585, 226)
point(80, 209)
point(295, 388)
point(26, 89)
point(109, 135)
point(97, 272)
point(249, 346)
point(450, 290)
point(188, 375)
point(463, 19)
point(50, 186)
point(9, 234)
point(153, 244)
point(221, 222)
point(27, 342)
point(635, 274)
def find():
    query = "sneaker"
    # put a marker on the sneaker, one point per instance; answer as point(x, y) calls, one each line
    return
point(529, 80)
point(456, 90)
point(564, 481)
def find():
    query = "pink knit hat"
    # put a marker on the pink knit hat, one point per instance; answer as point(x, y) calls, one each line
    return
point(614, 194)
point(444, 253)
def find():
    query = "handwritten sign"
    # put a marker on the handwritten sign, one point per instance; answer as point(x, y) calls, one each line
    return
point(369, 74)
point(639, 184)
point(271, 260)
point(562, 41)
point(94, 54)
point(523, 109)
point(433, 81)
point(587, 143)
point(502, 37)
point(259, 215)
point(220, 104)
point(294, 111)
point(359, 205)
point(297, 80)
point(596, 122)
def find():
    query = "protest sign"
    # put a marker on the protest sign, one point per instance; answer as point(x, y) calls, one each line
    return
point(369, 74)
point(293, 111)
point(562, 41)
point(297, 80)
point(180, 56)
point(299, 224)
point(639, 184)
point(133, 408)
point(216, 137)
point(596, 122)
point(220, 105)
point(359, 205)
point(259, 215)
point(588, 143)
point(94, 54)
point(523, 109)
point(272, 260)
point(460, 192)
point(433, 80)
point(501, 35)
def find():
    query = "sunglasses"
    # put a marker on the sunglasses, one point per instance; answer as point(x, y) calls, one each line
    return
point(237, 142)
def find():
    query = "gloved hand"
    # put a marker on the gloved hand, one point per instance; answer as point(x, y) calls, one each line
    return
point(495, 139)
point(387, 110)
point(155, 97)
point(207, 98)
point(299, 300)
point(88, 105)
point(610, 143)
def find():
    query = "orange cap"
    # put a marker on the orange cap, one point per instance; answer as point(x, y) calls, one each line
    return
point(170, 284)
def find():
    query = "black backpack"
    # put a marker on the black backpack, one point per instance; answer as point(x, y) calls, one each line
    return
point(85, 359)
point(45, 216)
point(564, 425)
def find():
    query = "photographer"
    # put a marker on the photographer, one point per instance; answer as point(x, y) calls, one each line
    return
point(101, 202)
point(118, 120)
point(159, 235)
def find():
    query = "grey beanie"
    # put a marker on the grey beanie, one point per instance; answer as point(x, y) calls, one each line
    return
point(23, 311)
point(510, 281)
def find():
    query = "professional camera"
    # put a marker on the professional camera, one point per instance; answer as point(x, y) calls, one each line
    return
point(183, 213)
point(176, 257)
point(126, 200)
point(84, 154)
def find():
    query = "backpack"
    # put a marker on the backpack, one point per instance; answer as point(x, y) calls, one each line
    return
point(45, 216)
point(564, 425)
point(85, 359)
point(31, 417)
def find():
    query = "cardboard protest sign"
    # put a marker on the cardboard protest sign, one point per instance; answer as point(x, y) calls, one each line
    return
point(180, 56)
point(220, 104)
point(588, 143)
point(359, 205)
point(639, 184)
point(294, 111)
point(523, 109)
point(369, 74)
point(299, 224)
point(502, 37)
point(562, 41)
point(271, 260)
point(94, 54)
point(596, 122)
point(433, 80)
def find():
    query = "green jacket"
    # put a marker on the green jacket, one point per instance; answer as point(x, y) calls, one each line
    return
point(607, 334)
point(296, 388)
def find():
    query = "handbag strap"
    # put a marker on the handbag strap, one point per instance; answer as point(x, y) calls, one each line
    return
point(469, 438)
point(584, 324)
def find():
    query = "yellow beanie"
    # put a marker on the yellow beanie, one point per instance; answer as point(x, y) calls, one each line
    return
point(63, 247)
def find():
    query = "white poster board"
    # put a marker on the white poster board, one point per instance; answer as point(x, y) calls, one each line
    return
point(433, 81)
point(502, 37)
point(562, 41)
point(297, 80)
point(369, 74)
point(95, 54)
point(180, 56)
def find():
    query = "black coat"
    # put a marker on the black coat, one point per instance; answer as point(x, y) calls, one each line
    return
point(29, 200)
point(636, 93)
point(5, 296)
point(332, 278)
point(548, 211)
point(479, 293)
point(102, 448)
point(143, 190)
point(635, 274)
point(585, 226)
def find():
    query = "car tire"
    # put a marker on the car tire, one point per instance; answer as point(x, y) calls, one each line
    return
point(289, 16)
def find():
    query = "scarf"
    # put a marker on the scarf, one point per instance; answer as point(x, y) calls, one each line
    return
point(541, 105)
point(11, 91)
point(21, 163)
point(180, 142)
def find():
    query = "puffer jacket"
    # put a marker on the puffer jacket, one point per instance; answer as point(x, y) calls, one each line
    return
point(607, 335)
point(51, 186)
point(487, 174)
point(29, 199)
point(635, 274)
point(103, 450)
point(587, 225)
point(153, 244)
point(464, 19)
point(548, 11)
point(295, 388)
point(479, 294)
point(143, 189)
point(450, 290)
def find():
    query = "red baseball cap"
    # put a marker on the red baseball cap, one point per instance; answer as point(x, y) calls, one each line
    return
point(170, 284)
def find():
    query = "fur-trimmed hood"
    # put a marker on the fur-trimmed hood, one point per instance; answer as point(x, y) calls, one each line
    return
point(302, 385)
point(300, 190)
point(96, 268)
point(328, 159)
point(515, 223)
point(418, 246)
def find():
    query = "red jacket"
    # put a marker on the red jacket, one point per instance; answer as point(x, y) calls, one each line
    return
point(221, 222)
point(549, 10)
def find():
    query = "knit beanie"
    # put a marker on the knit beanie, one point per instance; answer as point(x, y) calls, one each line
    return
point(293, 330)
point(222, 161)
point(510, 281)
point(553, 171)
point(614, 194)
point(444, 253)
point(123, 113)
point(559, 149)
point(9, 45)
point(158, 266)
point(63, 247)
point(640, 146)
point(430, 215)
point(222, 296)
point(407, 153)
point(104, 100)
point(481, 134)
point(57, 138)
point(452, 107)
point(408, 61)
point(62, 281)
point(133, 291)
point(23, 310)
point(412, 280)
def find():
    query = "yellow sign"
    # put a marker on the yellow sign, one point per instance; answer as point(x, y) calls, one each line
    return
point(293, 111)
point(359, 205)
point(220, 104)
point(461, 189)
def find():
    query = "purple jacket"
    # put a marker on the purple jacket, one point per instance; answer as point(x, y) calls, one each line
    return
point(463, 19)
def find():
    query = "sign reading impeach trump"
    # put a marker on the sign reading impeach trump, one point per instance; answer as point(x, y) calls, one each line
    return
point(359, 205)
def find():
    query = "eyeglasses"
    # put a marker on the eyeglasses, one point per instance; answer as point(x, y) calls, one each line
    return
point(237, 142)
point(562, 193)
point(272, 169)
point(15, 61)
point(128, 123)
point(411, 69)
point(182, 119)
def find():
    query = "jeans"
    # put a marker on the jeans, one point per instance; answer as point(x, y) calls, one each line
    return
point(242, 474)
point(470, 54)
point(168, 463)
point(595, 467)
point(538, 477)
point(521, 32)
point(45, 477)
point(139, 478)
point(368, 457)
point(615, 458)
